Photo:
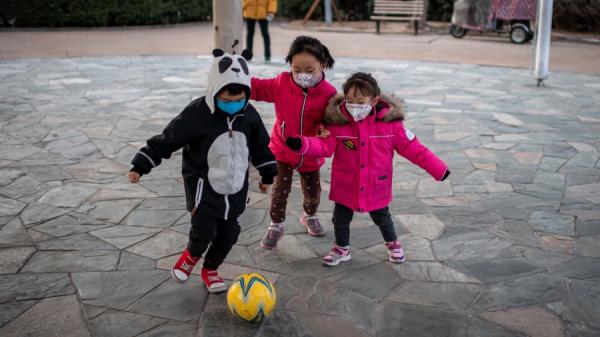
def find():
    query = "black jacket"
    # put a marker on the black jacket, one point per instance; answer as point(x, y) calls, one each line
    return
point(216, 152)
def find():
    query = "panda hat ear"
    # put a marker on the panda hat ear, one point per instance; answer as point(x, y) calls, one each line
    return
point(247, 54)
point(218, 52)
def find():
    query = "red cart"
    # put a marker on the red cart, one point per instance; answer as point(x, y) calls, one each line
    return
point(515, 17)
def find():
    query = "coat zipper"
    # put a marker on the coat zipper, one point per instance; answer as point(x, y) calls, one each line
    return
point(232, 162)
point(302, 125)
point(198, 199)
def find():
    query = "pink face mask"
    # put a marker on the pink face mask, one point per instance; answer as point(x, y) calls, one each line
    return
point(358, 111)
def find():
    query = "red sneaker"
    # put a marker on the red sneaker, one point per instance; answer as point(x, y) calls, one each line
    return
point(183, 267)
point(214, 283)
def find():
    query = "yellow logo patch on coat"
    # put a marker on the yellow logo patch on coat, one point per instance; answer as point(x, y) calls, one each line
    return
point(349, 144)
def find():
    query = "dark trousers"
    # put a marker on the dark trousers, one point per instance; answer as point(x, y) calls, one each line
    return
point(217, 233)
point(264, 30)
point(311, 188)
point(342, 216)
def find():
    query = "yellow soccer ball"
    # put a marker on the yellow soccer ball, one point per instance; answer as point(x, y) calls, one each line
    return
point(251, 297)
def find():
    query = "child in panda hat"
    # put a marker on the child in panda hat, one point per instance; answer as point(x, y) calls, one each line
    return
point(220, 134)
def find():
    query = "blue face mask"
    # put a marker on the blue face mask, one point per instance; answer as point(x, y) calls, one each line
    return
point(231, 108)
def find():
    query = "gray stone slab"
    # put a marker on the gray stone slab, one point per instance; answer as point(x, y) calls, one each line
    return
point(13, 234)
point(72, 261)
point(432, 272)
point(528, 290)
point(35, 213)
point(10, 207)
point(172, 329)
point(122, 236)
point(480, 328)
point(83, 241)
point(11, 259)
point(71, 223)
point(8, 311)
point(34, 286)
point(153, 218)
point(112, 211)
point(552, 223)
point(162, 244)
point(491, 271)
point(44, 320)
point(579, 268)
point(443, 296)
point(117, 289)
point(474, 245)
point(171, 300)
point(68, 195)
point(398, 320)
point(129, 261)
point(223, 324)
point(122, 324)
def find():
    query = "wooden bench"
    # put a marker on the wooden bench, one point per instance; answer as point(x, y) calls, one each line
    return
point(398, 10)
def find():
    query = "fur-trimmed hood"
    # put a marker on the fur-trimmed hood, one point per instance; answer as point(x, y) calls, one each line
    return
point(389, 109)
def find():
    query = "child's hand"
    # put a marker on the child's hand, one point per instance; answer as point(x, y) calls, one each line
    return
point(294, 143)
point(133, 176)
point(263, 187)
point(323, 133)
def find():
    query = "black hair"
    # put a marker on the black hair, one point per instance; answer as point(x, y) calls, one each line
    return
point(312, 46)
point(362, 82)
point(234, 89)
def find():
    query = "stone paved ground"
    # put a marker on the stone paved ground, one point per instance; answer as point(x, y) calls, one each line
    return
point(509, 246)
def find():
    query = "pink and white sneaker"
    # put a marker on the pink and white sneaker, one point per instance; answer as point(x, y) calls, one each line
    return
point(213, 282)
point(396, 252)
point(183, 267)
point(336, 256)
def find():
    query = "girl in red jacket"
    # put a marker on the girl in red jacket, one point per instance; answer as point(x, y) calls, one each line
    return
point(300, 97)
point(365, 129)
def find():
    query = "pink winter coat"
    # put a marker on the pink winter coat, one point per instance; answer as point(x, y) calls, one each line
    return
point(361, 174)
point(297, 112)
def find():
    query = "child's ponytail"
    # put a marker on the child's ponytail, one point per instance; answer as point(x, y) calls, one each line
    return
point(329, 61)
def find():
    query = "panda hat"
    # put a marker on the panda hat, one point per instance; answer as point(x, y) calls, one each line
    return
point(227, 69)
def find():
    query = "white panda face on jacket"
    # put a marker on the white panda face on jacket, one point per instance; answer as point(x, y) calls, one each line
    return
point(227, 69)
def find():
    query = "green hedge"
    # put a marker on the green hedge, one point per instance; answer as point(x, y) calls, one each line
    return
point(579, 15)
point(87, 13)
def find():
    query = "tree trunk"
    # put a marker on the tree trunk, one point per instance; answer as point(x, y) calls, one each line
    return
point(228, 25)
point(424, 16)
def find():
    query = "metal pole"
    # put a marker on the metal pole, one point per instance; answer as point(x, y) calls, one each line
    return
point(228, 25)
point(542, 40)
point(328, 16)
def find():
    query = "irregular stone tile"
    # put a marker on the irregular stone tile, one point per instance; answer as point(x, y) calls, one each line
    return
point(117, 289)
point(111, 211)
point(129, 261)
point(22, 188)
point(11, 259)
point(474, 245)
point(122, 324)
point(552, 223)
point(491, 271)
point(583, 191)
point(578, 330)
point(424, 225)
point(361, 280)
point(10, 207)
point(528, 158)
point(8, 311)
point(443, 296)
point(429, 188)
point(402, 320)
point(507, 119)
point(532, 321)
point(481, 328)
point(172, 329)
point(67, 195)
point(551, 179)
point(122, 236)
point(223, 324)
point(480, 153)
point(582, 159)
point(174, 301)
point(96, 170)
point(292, 249)
point(72, 261)
point(68, 224)
point(164, 203)
point(35, 213)
point(588, 246)
point(485, 166)
point(529, 290)
point(44, 319)
point(17, 152)
point(329, 326)
point(82, 241)
point(153, 218)
point(579, 268)
point(164, 187)
point(498, 146)
point(46, 173)
point(163, 244)
point(137, 192)
point(13, 234)
point(231, 271)
point(559, 243)
point(432, 272)
point(32, 286)
point(8, 175)
point(551, 164)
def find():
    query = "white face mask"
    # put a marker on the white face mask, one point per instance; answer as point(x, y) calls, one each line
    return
point(306, 80)
point(358, 111)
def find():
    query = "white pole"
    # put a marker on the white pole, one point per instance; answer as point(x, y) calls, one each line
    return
point(542, 40)
point(328, 16)
point(228, 25)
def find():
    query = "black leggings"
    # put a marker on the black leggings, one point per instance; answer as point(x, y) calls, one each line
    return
point(342, 216)
point(264, 30)
point(220, 234)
